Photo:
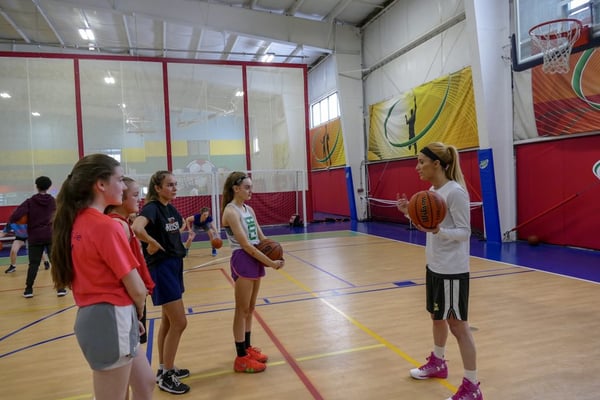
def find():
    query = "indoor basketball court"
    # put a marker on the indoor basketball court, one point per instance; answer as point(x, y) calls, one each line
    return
point(333, 332)
point(512, 86)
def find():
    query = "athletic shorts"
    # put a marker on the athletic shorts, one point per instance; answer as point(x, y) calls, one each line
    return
point(21, 238)
point(244, 265)
point(447, 295)
point(168, 280)
point(108, 335)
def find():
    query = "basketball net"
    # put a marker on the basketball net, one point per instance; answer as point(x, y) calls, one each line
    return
point(555, 40)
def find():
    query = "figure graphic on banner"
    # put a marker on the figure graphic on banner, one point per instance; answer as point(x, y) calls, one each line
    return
point(411, 124)
point(325, 143)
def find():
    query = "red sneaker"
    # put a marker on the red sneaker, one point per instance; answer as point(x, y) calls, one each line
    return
point(248, 364)
point(255, 353)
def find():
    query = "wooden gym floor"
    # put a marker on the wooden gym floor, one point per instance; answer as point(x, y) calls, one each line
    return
point(344, 319)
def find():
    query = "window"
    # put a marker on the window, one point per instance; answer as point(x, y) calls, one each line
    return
point(325, 110)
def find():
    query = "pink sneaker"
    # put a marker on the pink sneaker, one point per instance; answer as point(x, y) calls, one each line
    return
point(434, 368)
point(467, 391)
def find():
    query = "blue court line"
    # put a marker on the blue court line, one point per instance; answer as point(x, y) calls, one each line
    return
point(36, 344)
point(34, 323)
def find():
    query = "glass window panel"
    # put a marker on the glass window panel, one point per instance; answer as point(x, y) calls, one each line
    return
point(39, 127)
point(206, 105)
point(316, 115)
point(123, 113)
point(276, 111)
point(333, 107)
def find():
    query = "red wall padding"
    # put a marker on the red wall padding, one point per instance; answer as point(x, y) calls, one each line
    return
point(329, 192)
point(549, 173)
point(6, 212)
point(388, 179)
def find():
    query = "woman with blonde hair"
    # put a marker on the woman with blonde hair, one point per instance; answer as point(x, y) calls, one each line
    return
point(447, 269)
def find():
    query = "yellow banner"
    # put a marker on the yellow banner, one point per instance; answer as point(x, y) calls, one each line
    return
point(442, 110)
point(327, 145)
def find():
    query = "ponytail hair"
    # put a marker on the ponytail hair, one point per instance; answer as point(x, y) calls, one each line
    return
point(76, 193)
point(234, 179)
point(156, 180)
point(449, 160)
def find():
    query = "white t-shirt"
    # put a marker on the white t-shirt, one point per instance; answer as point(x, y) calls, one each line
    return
point(447, 252)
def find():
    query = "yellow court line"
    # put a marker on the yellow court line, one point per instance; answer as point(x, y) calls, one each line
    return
point(365, 329)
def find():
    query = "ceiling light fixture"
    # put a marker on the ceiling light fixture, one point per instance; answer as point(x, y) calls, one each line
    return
point(5, 95)
point(86, 34)
point(267, 57)
point(36, 114)
point(239, 93)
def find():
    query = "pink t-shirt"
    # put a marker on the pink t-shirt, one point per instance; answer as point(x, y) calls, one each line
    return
point(101, 258)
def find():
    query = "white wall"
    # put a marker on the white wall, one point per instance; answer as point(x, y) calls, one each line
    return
point(416, 41)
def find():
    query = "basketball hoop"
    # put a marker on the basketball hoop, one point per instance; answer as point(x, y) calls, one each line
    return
point(555, 40)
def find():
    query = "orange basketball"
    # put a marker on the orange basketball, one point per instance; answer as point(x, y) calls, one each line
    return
point(427, 208)
point(216, 243)
point(22, 220)
point(271, 249)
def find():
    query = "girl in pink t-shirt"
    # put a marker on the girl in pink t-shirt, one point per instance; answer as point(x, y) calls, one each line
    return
point(91, 254)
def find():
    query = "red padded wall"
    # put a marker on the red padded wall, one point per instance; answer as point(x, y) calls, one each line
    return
point(329, 192)
point(558, 193)
point(388, 179)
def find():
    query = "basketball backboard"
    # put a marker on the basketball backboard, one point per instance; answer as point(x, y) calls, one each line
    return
point(529, 13)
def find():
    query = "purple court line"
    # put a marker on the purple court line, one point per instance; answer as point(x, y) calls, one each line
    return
point(286, 355)
point(323, 271)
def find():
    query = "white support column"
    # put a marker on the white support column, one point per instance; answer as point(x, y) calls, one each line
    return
point(350, 95)
point(488, 23)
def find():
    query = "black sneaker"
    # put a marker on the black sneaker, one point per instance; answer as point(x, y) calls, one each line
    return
point(61, 292)
point(11, 268)
point(28, 293)
point(46, 265)
point(179, 373)
point(170, 383)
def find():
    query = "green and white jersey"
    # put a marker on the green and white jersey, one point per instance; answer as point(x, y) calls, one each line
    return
point(248, 224)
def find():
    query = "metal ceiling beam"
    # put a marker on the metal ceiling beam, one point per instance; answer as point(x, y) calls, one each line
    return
point(227, 50)
point(47, 19)
point(293, 9)
point(199, 43)
point(15, 26)
point(337, 10)
point(324, 36)
point(127, 34)
point(292, 56)
point(164, 38)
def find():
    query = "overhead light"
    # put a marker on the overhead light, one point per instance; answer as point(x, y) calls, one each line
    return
point(239, 93)
point(36, 114)
point(91, 47)
point(109, 80)
point(267, 57)
point(86, 34)
point(5, 95)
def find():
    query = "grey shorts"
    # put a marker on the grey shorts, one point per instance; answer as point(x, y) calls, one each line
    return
point(108, 335)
